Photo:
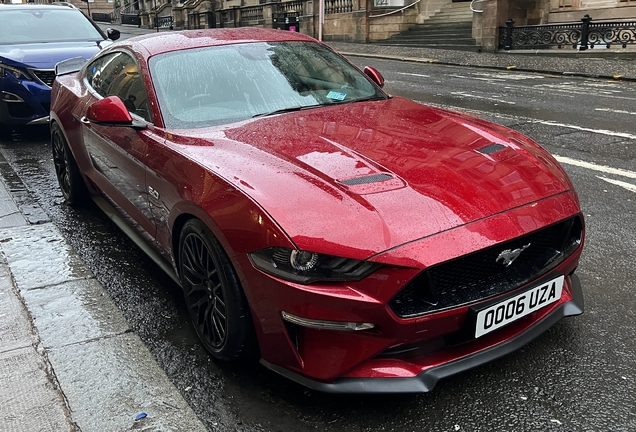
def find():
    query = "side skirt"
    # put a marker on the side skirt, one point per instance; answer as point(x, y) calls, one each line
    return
point(112, 214)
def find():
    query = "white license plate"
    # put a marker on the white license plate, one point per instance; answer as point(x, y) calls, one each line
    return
point(512, 309)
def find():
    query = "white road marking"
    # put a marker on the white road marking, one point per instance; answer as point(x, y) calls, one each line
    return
point(563, 159)
point(507, 75)
point(528, 119)
point(478, 78)
point(610, 110)
point(571, 90)
point(594, 167)
point(597, 131)
point(630, 187)
point(468, 95)
point(414, 74)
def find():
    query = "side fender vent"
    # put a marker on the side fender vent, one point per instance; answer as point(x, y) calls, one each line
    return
point(366, 179)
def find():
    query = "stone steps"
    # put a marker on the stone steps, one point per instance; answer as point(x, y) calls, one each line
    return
point(451, 28)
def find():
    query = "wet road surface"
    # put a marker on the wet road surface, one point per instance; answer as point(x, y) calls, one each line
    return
point(577, 376)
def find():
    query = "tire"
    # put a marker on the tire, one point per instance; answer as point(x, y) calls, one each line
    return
point(214, 297)
point(66, 170)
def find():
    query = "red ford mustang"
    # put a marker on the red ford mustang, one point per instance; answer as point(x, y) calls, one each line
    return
point(355, 241)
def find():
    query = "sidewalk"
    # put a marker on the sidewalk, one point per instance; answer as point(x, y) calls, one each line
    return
point(617, 63)
point(68, 359)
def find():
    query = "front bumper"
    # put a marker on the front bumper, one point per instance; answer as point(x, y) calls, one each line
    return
point(24, 102)
point(402, 353)
point(425, 381)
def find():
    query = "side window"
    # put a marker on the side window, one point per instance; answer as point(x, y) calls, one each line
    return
point(118, 74)
point(94, 75)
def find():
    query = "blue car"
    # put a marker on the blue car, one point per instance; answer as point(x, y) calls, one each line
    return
point(33, 38)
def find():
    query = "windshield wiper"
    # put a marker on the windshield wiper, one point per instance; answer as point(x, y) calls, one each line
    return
point(284, 110)
point(365, 99)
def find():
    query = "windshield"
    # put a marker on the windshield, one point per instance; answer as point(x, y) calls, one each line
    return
point(223, 84)
point(22, 26)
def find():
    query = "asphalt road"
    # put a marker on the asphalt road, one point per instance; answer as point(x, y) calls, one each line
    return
point(580, 375)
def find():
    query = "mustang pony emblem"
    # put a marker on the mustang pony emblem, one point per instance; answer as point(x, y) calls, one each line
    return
point(510, 255)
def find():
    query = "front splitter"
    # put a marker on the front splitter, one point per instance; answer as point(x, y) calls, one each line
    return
point(425, 381)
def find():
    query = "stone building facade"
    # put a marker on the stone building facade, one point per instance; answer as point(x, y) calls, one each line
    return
point(364, 21)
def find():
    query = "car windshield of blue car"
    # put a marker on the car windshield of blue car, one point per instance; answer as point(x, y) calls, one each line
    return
point(32, 25)
point(224, 84)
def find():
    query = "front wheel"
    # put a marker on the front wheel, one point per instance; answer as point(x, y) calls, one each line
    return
point(66, 170)
point(218, 308)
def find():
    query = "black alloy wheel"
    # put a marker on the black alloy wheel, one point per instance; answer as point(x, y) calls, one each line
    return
point(216, 302)
point(66, 170)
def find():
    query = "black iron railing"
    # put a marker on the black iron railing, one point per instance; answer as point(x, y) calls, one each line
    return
point(583, 35)
point(131, 19)
point(102, 17)
point(164, 21)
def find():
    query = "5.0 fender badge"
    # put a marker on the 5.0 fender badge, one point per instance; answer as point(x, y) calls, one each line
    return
point(510, 255)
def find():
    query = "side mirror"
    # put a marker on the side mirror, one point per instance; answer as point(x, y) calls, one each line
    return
point(111, 111)
point(375, 76)
point(113, 34)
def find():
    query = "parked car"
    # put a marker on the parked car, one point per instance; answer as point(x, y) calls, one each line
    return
point(33, 38)
point(352, 240)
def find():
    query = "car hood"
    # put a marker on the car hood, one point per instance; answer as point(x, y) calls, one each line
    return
point(47, 55)
point(358, 179)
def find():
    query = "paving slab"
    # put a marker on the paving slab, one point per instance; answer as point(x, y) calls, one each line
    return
point(10, 215)
point(110, 381)
point(72, 312)
point(29, 399)
point(39, 256)
point(15, 329)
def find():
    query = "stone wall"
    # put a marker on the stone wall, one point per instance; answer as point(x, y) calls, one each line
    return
point(345, 27)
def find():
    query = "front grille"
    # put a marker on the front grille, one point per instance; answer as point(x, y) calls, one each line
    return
point(482, 274)
point(46, 76)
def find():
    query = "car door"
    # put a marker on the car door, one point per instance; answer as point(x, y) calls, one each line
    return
point(117, 152)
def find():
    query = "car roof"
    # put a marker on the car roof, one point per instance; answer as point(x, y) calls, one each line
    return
point(55, 5)
point(158, 43)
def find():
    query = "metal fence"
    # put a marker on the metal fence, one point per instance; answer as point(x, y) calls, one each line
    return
point(583, 35)
point(131, 19)
point(164, 21)
point(102, 17)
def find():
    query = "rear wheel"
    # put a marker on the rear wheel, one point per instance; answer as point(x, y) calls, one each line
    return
point(218, 308)
point(66, 170)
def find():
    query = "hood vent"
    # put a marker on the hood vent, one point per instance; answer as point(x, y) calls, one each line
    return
point(491, 149)
point(375, 178)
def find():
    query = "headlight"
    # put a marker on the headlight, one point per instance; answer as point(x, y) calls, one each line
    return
point(306, 267)
point(14, 72)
